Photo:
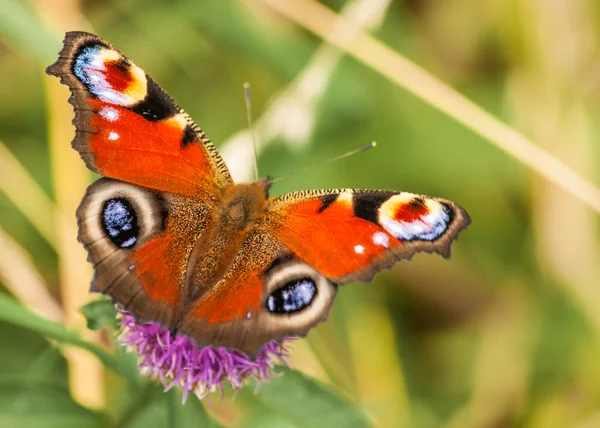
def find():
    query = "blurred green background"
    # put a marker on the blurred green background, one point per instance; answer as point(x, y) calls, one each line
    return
point(504, 334)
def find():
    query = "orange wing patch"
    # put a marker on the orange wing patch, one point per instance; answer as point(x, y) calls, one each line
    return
point(162, 162)
point(237, 297)
point(334, 241)
point(158, 268)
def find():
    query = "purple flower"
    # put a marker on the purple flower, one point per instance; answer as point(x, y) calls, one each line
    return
point(177, 361)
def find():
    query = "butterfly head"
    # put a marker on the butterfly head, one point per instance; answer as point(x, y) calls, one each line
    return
point(244, 202)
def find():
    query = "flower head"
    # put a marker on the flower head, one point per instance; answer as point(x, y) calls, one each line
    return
point(178, 361)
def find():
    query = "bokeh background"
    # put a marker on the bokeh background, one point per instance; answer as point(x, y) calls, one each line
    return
point(504, 334)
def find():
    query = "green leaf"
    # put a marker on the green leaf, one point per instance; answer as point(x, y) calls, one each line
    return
point(12, 312)
point(193, 413)
point(154, 408)
point(43, 406)
point(29, 357)
point(295, 399)
point(100, 313)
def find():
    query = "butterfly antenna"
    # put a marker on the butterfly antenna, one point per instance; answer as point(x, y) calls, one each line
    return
point(337, 158)
point(250, 127)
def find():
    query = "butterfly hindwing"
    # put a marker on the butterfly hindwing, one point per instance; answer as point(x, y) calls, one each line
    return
point(267, 294)
point(128, 128)
point(139, 241)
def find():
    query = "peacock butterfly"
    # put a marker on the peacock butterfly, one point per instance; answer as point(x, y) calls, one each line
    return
point(175, 241)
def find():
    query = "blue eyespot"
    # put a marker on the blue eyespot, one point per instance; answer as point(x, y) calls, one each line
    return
point(292, 297)
point(88, 63)
point(119, 222)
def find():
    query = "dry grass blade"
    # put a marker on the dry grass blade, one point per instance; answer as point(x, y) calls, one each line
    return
point(86, 374)
point(21, 278)
point(29, 197)
point(380, 379)
point(70, 179)
point(325, 23)
point(503, 363)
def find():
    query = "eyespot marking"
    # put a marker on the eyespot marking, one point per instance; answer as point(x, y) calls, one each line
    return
point(109, 76)
point(413, 210)
point(119, 222)
point(292, 297)
point(408, 217)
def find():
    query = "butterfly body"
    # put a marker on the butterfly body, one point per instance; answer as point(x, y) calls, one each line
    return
point(175, 241)
point(235, 216)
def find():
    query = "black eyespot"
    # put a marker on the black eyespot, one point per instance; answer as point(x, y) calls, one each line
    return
point(292, 297)
point(119, 222)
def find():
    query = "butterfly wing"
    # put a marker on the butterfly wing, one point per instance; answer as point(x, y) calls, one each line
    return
point(350, 235)
point(139, 241)
point(128, 128)
point(267, 294)
point(139, 225)
point(285, 277)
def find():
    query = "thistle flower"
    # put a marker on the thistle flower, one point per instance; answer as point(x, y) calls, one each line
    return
point(178, 361)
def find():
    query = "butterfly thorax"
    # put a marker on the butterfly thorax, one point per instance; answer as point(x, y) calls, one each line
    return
point(219, 245)
point(242, 203)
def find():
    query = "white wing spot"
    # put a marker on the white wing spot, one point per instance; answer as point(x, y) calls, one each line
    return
point(359, 249)
point(109, 114)
point(380, 238)
point(249, 315)
point(113, 136)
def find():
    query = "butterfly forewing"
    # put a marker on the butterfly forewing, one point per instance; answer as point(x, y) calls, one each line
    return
point(350, 235)
point(128, 128)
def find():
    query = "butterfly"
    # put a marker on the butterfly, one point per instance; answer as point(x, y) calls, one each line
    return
point(175, 241)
